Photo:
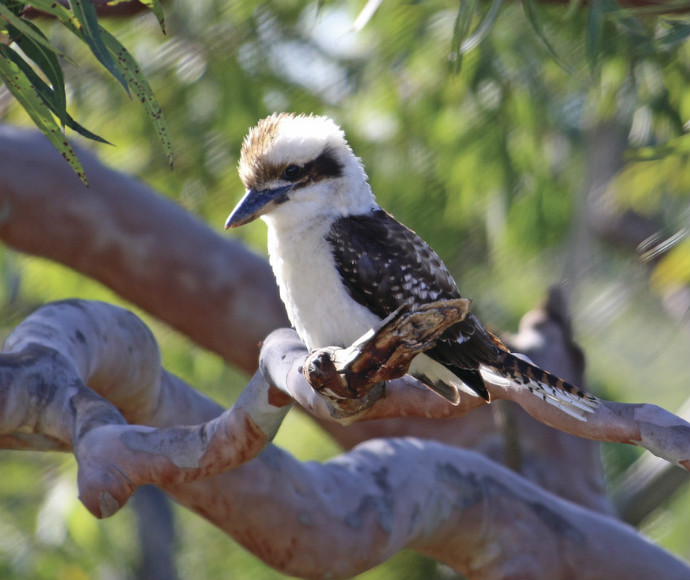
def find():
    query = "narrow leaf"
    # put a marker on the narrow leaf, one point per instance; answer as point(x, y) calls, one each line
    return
point(463, 22)
point(14, 6)
point(153, 5)
point(530, 9)
point(22, 89)
point(483, 28)
point(47, 62)
point(595, 24)
point(61, 13)
point(130, 69)
point(25, 27)
point(47, 94)
point(157, 9)
point(92, 32)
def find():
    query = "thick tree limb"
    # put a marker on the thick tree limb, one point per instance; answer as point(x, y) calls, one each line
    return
point(644, 425)
point(158, 256)
point(310, 520)
point(164, 260)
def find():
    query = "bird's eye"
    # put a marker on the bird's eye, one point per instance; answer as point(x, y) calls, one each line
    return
point(293, 172)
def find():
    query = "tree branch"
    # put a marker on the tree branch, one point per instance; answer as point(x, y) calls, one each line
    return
point(96, 231)
point(648, 426)
point(310, 520)
point(158, 256)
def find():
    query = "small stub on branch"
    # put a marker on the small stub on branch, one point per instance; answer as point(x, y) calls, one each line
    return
point(382, 354)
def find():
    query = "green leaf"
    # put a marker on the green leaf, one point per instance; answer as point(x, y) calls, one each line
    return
point(126, 67)
point(530, 9)
point(461, 29)
point(483, 28)
point(36, 46)
point(24, 91)
point(157, 9)
point(92, 33)
point(130, 69)
point(153, 5)
point(14, 6)
point(61, 13)
point(595, 24)
point(25, 27)
point(47, 94)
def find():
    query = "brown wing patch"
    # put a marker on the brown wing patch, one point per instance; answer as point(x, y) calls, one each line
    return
point(383, 264)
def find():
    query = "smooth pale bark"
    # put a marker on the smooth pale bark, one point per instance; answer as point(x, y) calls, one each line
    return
point(141, 245)
point(312, 520)
point(167, 262)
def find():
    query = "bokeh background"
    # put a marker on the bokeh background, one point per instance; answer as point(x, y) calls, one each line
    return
point(547, 145)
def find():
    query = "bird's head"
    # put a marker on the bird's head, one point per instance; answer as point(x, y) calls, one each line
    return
point(298, 168)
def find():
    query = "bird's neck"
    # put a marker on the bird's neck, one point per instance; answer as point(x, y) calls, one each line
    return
point(318, 304)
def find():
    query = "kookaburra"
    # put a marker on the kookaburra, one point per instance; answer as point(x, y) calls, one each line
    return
point(343, 264)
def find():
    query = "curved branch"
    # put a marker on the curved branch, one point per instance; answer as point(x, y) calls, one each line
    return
point(648, 426)
point(39, 194)
point(55, 352)
point(158, 256)
point(305, 519)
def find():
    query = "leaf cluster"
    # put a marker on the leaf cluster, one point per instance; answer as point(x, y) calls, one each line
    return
point(31, 68)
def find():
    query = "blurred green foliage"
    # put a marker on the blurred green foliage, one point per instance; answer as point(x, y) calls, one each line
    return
point(31, 70)
point(484, 152)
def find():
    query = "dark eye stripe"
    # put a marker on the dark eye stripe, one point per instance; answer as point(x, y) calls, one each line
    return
point(325, 166)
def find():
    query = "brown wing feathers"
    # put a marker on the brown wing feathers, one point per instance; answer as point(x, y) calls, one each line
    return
point(383, 264)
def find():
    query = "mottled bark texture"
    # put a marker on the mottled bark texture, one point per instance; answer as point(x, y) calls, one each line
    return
point(313, 520)
point(85, 376)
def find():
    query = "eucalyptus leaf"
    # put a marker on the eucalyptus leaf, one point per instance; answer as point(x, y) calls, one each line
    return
point(157, 9)
point(136, 79)
point(483, 28)
point(23, 90)
point(531, 12)
point(593, 33)
point(48, 95)
point(46, 59)
point(62, 14)
point(92, 33)
point(461, 29)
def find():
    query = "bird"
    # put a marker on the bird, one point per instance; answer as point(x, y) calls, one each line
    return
point(343, 264)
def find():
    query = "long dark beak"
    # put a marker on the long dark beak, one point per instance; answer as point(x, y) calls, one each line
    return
point(256, 203)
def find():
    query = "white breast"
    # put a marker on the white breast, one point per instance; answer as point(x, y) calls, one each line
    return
point(317, 303)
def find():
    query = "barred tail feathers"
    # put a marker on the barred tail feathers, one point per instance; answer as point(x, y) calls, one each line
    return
point(553, 390)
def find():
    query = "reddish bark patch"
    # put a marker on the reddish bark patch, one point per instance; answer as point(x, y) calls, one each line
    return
point(277, 398)
point(686, 464)
point(254, 441)
point(279, 553)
